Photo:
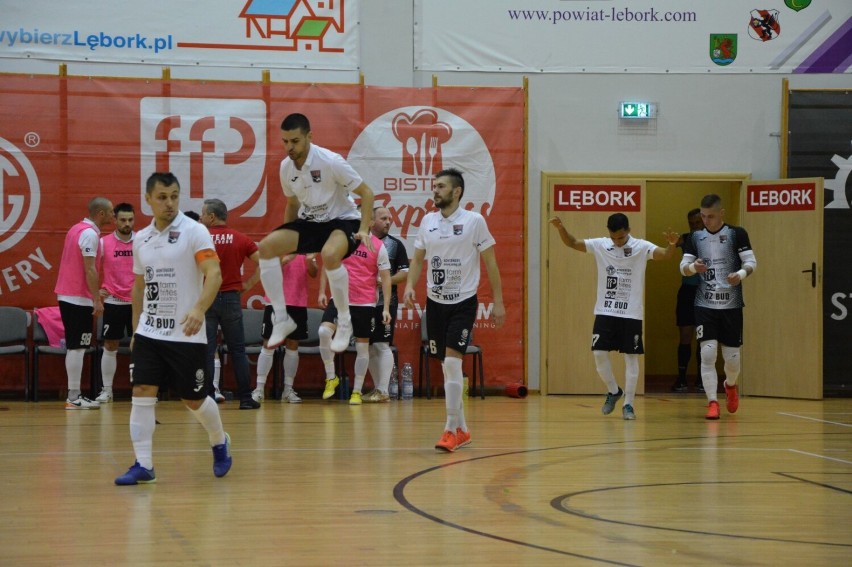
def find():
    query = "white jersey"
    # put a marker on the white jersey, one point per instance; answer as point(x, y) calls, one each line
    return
point(322, 185)
point(173, 281)
point(453, 246)
point(621, 276)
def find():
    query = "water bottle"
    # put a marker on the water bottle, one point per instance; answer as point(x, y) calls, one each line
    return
point(393, 388)
point(407, 382)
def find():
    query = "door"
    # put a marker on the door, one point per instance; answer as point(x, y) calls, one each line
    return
point(570, 284)
point(782, 335)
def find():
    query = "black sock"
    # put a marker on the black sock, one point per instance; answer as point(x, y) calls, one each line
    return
point(684, 353)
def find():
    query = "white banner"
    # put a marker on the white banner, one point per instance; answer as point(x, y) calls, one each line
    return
point(640, 36)
point(303, 34)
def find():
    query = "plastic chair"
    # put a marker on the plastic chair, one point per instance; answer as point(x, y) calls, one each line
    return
point(252, 328)
point(14, 329)
point(475, 351)
point(41, 346)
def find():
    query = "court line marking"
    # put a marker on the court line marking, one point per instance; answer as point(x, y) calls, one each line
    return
point(815, 419)
point(820, 456)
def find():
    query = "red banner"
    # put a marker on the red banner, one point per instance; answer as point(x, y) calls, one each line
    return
point(64, 140)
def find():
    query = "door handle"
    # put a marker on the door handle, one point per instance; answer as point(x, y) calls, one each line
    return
point(813, 273)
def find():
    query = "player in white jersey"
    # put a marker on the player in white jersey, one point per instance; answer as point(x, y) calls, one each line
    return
point(620, 305)
point(177, 278)
point(321, 216)
point(453, 239)
point(722, 255)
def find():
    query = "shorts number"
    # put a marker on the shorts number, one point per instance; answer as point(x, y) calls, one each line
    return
point(433, 348)
point(86, 339)
point(106, 328)
point(699, 332)
point(595, 339)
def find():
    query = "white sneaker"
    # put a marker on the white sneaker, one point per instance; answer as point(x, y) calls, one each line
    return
point(217, 395)
point(105, 396)
point(257, 395)
point(81, 403)
point(291, 397)
point(280, 330)
point(340, 342)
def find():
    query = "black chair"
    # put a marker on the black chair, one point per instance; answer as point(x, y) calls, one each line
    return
point(123, 350)
point(475, 351)
point(252, 328)
point(14, 329)
point(41, 346)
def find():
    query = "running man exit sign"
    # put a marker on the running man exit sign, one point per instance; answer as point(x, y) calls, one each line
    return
point(637, 110)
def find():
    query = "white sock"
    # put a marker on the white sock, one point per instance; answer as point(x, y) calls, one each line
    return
point(338, 282)
point(108, 365)
point(604, 367)
point(709, 377)
point(217, 373)
point(731, 355)
point(325, 334)
point(381, 358)
point(291, 366)
point(208, 416)
point(273, 284)
point(631, 377)
point(453, 393)
point(74, 368)
point(362, 360)
point(142, 425)
point(264, 365)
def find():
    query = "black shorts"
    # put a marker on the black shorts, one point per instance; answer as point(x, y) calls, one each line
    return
point(78, 323)
point(723, 325)
point(363, 319)
point(297, 314)
point(384, 333)
point(170, 363)
point(117, 321)
point(617, 333)
point(450, 325)
point(685, 310)
point(313, 235)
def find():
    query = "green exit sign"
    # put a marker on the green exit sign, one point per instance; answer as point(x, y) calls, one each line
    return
point(633, 110)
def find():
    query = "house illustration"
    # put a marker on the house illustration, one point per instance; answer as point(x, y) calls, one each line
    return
point(301, 24)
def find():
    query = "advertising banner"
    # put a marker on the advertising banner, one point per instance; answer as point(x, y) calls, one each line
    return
point(633, 36)
point(300, 34)
point(64, 141)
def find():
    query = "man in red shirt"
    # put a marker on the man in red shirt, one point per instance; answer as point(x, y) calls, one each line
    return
point(226, 312)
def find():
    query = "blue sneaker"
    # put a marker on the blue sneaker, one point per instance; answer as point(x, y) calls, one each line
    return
point(627, 412)
point(137, 474)
point(222, 457)
point(609, 403)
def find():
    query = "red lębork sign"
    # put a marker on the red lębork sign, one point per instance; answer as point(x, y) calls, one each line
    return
point(787, 197)
point(617, 198)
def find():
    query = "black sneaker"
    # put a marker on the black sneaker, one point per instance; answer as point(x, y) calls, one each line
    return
point(699, 388)
point(609, 403)
point(249, 403)
point(680, 387)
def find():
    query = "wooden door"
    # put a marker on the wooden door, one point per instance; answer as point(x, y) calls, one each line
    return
point(782, 342)
point(570, 277)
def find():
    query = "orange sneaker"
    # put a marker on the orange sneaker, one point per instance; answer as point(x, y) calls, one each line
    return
point(732, 398)
point(447, 443)
point(712, 410)
point(462, 438)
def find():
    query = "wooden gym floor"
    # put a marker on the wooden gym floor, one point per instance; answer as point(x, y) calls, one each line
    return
point(546, 481)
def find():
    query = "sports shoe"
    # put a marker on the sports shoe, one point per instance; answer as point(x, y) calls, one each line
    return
point(218, 397)
point(712, 410)
point(376, 397)
point(699, 388)
point(137, 474)
point(249, 403)
point(222, 457)
point(732, 397)
point(340, 342)
point(105, 396)
point(355, 399)
point(81, 403)
point(448, 442)
point(680, 387)
point(462, 438)
point(280, 330)
point(291, 397)
point(330, 387)
point(257, 395)
point(609, 404)
point(627, 412)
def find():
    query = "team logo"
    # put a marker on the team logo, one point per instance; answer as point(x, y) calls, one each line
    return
point(723, 238)
point(610, 270)
point(399, 153)
point(723, 48)
point(20, 195)
point(611, 282)
point(316, 175)
point(797, 5)
point(173, 236)
point(458, 229)
point(435, 262)
point(763, 25)
point(628, 251)
point(199, 380)
point(149, 273)
point(215, 147)
point(438, 277)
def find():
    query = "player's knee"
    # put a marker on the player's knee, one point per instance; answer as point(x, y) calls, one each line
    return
point(709, 351)
point(325, 332)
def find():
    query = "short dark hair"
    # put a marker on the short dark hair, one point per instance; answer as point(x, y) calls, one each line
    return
point(617, 222)
point(456, 178)
point(164, 178)
point(692, 213)
point(123, 208)
point(217, 208)
point(296, 121)
point(710, 201)
point(193, 215)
